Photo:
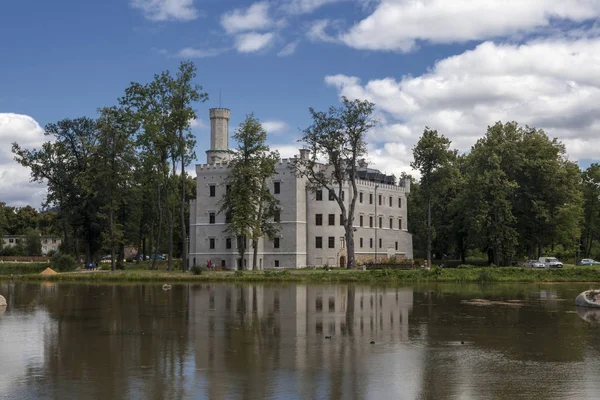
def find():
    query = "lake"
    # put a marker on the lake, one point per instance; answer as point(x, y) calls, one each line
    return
point(220, 341)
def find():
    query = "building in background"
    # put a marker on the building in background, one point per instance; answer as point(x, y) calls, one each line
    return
point(49, 243)
point(311, 233)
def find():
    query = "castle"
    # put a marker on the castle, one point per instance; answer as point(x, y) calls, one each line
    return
point(311, 233)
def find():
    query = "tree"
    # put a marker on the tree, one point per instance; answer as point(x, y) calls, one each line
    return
point(591, 222)
point(250, 208)
point(33, 243)
point(337, 137)
point(431, 153)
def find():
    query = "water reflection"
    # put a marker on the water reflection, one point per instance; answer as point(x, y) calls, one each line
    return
point(294, 341)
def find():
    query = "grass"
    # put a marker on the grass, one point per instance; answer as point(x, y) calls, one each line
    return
point(464, 274)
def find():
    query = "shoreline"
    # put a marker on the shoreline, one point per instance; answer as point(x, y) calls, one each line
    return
point(450, 275)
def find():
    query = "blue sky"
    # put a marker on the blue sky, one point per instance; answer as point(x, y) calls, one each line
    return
point(456, 66)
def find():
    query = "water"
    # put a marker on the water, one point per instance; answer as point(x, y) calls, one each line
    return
point(60, 341)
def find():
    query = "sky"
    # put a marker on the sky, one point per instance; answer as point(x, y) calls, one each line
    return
point(455, 66)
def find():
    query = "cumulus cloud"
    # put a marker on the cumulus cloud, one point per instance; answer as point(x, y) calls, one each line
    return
point(252, 42)
point(166, 10)
point(549, 84)
point(398, 25)
point(255, 17)
point(274, 126)
point(15, 186)
point(316, 31)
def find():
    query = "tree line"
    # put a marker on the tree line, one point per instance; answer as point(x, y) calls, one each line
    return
point(515, 195)
point(119, 178)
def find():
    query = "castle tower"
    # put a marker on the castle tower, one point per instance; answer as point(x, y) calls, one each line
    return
point(219, 136)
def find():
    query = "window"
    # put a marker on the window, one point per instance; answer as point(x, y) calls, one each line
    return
point(380, 222)
point(360, 219)
point(361, 242)
point(391, 223)
point(227, 187)
point(341, 219)
point(390, 201)
point(228, 217)
point(211, 218)
point(319, 194)
point(379, 242)
point(276, 243)
point(228, 243)
point(53, 240)
point(331, 242)
point(223, 263)
point(277, 216)
point(11, 240)
point(319, 219)
point(211, 243)
point(396, 245)
point(331, 198)
point(399, 202)
point(379, 200)
point(342, 242)
point(360, 197)
point(212, 190)
point(276, 263)
point(319, 242)
point(370, 221)
point(370, 198)
point(276, 187)
point(399, 223)
point(371, 242)
point(331, 219)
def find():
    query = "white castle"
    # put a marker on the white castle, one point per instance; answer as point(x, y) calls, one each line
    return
point(310, 232)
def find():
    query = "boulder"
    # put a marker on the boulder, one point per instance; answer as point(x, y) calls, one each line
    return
point(2, 301)
point(588, 299)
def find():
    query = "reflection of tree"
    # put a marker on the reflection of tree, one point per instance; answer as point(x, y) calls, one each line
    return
point(114, 335)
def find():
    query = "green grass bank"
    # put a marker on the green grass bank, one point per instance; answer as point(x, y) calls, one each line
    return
point(455, 275)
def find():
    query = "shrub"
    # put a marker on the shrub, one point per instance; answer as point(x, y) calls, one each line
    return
point(239, 273)
point(63, 262)
point(196, 270)
point(51, 253)
point(485, 276)
point(276, 274)
point(435, 272)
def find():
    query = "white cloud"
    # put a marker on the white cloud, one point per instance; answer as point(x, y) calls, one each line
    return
point(190, 52)
point(549, 84)
point(305, 6)
point(166, 10)
point(399, 24)
point(15, 187)
point(316, 31)
point(288, 49)
point(274, 127)
point(197, 123)
point(255, 17)
point(252, 42)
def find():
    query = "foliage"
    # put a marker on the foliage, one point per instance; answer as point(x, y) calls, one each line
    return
point(62, 262)
point(196, 270)
point(337, 137)
point(248, 204)
point(20, 268)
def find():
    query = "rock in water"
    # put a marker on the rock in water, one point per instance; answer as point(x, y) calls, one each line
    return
point(588, 298)
point(2, 301)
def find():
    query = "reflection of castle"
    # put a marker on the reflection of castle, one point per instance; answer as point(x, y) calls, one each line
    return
point(284, 328)
point(311, 233)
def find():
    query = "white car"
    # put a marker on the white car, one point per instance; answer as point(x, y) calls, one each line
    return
point(551, 262)
point(535, 264)
point(588, 261)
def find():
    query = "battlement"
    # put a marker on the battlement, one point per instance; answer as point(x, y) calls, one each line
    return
point(220, 113)
point(212, 166)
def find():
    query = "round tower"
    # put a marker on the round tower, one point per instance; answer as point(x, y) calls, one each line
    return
point(219, 136)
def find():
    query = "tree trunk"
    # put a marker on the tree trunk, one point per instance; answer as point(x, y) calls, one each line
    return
point(159, 230)
point(428, 231)
point(111, 232)
point(255, 254)
point(350, 262)
point(184, 249)
point(170, 248)
point(139, 242)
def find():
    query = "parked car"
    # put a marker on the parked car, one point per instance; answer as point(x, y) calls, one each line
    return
point(535, 264)
point(159, 257)
point(551, 262)
point(589, 261)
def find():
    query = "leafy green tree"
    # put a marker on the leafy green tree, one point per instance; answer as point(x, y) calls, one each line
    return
point(337, 137)
point(33, 244)
point(250, 208)
point(431, 154)
point(591, 222)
